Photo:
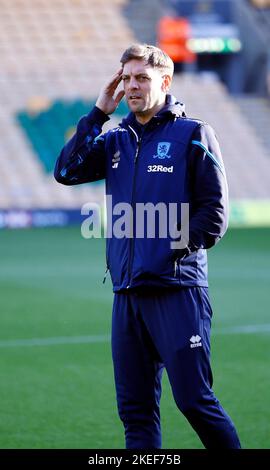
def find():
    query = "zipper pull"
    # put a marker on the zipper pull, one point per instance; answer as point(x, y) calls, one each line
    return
point(105, 275)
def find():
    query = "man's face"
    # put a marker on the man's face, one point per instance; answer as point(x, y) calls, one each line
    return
point(144, 87)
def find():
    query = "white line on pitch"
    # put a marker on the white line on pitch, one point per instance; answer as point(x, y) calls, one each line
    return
point(54, 341)
point(243, 329)
point(57, 340)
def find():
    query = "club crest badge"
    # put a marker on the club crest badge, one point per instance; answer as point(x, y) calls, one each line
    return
point(162, 150)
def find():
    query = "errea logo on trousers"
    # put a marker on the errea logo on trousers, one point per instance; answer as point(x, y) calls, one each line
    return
point(195, 341)
point(164, 169)
point(116, 159)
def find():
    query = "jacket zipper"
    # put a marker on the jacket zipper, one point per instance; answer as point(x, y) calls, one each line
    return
point(131, 250)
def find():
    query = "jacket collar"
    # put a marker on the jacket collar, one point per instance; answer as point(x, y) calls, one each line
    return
point(170, 110)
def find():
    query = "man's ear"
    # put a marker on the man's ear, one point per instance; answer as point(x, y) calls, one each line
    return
point(166, 83)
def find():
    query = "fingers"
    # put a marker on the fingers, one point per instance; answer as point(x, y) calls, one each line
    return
point(115, 80)
point(119, 96)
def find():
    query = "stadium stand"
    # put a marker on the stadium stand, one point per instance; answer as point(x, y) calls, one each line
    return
point(56, 54)
point(52, 51)
point(246, 159)
point(257, 112)
point(142, 17)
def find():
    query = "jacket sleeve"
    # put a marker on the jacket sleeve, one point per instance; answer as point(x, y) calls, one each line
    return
point(209, 190)
point(82, 159)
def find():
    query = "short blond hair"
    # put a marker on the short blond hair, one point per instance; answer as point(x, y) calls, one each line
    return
point(151, 55)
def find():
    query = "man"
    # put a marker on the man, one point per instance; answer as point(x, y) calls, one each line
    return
point(161, 312)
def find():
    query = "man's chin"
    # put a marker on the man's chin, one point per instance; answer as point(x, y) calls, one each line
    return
point(136, 108)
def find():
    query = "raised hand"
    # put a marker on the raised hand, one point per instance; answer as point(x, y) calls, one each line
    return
point(106, 100)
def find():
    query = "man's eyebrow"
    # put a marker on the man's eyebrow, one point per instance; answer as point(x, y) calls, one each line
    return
point(124, 75)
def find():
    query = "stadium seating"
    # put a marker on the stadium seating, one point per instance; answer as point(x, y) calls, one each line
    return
point(52, 51)
point(55, 55)
point(246, 159)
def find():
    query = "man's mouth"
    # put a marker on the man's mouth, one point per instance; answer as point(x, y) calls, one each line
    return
point(134, 97)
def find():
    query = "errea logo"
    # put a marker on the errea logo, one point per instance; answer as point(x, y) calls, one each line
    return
point(195, 341)
point(116, 159)
point(160, 168)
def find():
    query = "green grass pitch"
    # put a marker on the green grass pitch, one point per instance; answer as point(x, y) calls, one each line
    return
point(62, 395)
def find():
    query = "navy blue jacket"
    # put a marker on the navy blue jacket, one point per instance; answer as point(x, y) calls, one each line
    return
point(172, 159)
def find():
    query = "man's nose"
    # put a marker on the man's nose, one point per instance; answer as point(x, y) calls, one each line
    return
point(133, 84)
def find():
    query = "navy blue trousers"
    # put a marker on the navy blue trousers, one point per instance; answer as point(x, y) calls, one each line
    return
point(168, 329)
